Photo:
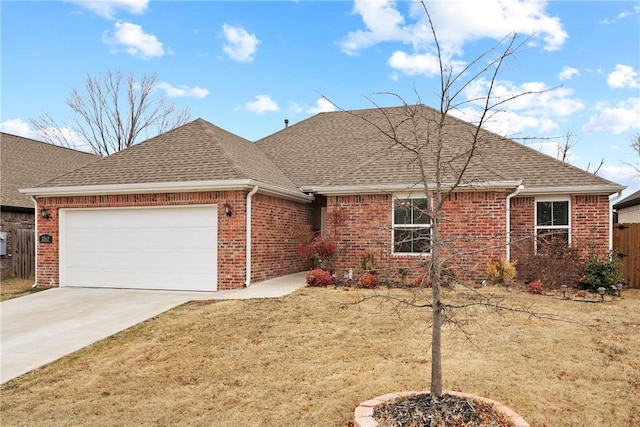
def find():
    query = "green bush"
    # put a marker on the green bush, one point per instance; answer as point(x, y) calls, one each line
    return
point(601, 272)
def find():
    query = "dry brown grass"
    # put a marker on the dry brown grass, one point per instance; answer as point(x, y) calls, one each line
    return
point(11, 287)
point(308, 360)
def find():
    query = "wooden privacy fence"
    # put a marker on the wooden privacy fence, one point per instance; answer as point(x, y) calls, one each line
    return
point(24, 254)
point(626, 240)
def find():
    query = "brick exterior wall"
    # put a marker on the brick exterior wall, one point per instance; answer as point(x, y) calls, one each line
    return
point(231, 231)
point(274, 242)
point(473, 229)
point(589, 227)
point(629, 215)
point(10, 222)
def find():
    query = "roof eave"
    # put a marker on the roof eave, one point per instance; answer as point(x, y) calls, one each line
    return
point(169, 187)
point(339, 190)
point(607, 189)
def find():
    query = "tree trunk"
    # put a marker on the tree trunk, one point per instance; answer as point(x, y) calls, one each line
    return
point(436, 335)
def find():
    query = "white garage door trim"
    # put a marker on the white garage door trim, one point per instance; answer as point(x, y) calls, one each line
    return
point(157, 247)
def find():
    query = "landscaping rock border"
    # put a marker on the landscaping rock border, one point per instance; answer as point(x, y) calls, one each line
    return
point(363, 415)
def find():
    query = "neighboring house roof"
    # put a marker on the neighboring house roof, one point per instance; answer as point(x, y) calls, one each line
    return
point(632, 200)
point(26, 163)
point(348, 149)
point(197, 152)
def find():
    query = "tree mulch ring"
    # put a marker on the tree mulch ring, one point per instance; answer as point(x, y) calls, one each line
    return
point(421, 410)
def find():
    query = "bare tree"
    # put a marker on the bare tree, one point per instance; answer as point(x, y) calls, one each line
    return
point(422, 134)
point(635, 146)
point(111, 114)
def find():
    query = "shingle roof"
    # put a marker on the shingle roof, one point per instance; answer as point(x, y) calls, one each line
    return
point(632, 200)
point(25, 163)
point(347, 148)
point(196, 151)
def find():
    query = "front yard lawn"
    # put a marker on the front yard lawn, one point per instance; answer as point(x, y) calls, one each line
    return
point(308, 360)
point(12, 287)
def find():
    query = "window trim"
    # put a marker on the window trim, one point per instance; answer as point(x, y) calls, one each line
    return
point(537, 227)
point(427, 226)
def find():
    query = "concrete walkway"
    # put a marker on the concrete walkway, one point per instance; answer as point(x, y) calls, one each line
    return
point(42, 327)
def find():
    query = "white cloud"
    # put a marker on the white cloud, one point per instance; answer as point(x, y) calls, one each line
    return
point(624, 76)
point(456, 22)
point(615, 119)
point(135, 41)
point(108, 8)
point(240, 45)
point(323, 105)
point(262, 104)
point(421, 63)
point(620, 174)
point(183, 91)
point(20, 128)
point(383, 22)
point(536, 112)
point(568, 73)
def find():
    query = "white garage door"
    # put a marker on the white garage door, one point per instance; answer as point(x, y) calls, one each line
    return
point(141, 248)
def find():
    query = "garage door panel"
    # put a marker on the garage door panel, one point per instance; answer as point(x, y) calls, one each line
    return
point(154, 248)
point(171, 239)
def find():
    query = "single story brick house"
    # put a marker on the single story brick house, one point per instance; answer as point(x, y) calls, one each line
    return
point(199, 208)
point(25, 163)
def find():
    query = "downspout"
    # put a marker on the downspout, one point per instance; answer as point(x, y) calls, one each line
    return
point(247, 281)
point(508, 210)
point(611, 202)
point(36, 214)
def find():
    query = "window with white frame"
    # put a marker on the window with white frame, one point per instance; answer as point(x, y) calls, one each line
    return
point(411, 226)
point(552, 220)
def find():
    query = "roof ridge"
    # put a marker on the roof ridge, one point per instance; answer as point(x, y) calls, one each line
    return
point(208, 131)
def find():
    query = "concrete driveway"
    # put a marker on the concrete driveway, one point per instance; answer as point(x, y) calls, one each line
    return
point(42, 327)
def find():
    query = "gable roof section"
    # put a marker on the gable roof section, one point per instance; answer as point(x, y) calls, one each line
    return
point(26, 163)
point(195, 155)
point(346, 149)
point(631, 200)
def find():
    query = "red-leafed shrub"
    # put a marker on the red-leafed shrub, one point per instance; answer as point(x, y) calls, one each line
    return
point(319, 277)
point(369, 281)
point(535, 287)
point(422, 281)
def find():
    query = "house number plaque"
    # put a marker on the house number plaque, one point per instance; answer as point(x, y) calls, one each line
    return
point(46, 238)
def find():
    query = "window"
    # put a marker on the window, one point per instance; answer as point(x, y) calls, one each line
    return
point(552, 220)
point(411, 226)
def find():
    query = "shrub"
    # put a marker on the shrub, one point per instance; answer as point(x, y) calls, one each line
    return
point(369, 281)
point(501, 270)
point(422, 281)
point(534, 287)
point(601, 272)
point(317, 248)
point(555, 264)
point(368, 262)
point(319, 277)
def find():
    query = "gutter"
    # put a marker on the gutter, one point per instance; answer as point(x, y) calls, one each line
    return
point(247, 281)
point(611, 203)
point(519, 188)
point(169, 187)
point(35, 241)
point(585, 190)
point(394, 188)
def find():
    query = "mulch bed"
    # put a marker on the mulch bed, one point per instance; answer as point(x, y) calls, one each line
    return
point(450, 411)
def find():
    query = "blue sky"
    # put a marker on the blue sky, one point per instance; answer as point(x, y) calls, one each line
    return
point(246, 66)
